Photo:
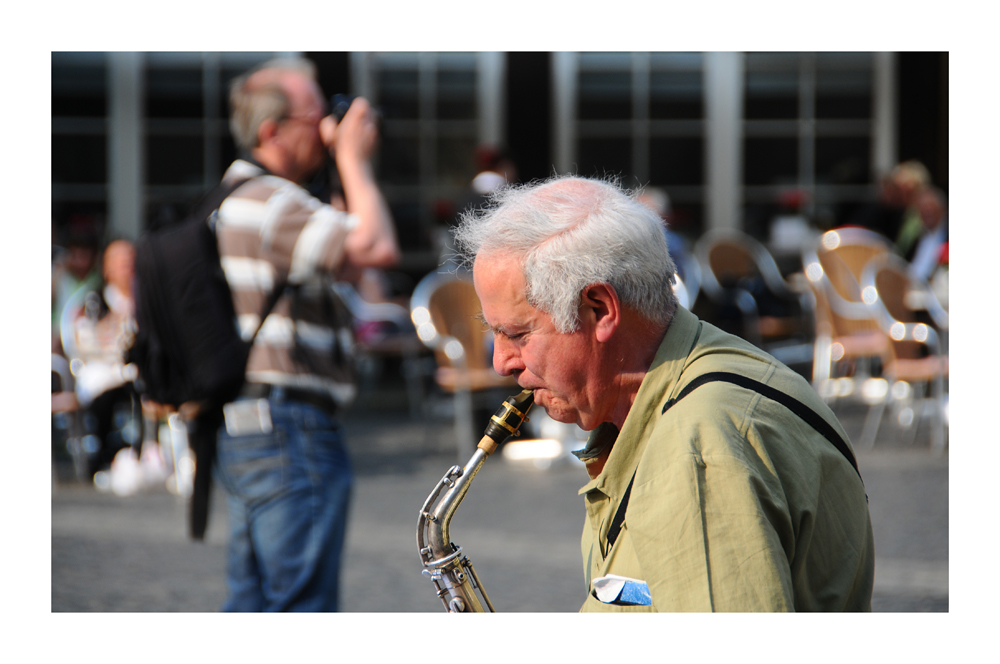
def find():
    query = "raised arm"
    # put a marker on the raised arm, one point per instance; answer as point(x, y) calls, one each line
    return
point(372, 243)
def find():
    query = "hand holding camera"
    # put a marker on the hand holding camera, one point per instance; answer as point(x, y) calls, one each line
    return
point(350, 131)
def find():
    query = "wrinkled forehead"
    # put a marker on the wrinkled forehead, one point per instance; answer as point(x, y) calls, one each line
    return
point(498, 278)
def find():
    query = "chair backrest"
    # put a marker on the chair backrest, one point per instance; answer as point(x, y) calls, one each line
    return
point(886, 283)
point(728, 256)
point(60, 368)
point(445, 307)
point(890, 282)
point(833, 267)
point(362, 310)
point(844, 252)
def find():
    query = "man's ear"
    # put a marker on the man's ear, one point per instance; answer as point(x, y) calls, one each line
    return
point(266, 131)
point(601, 302)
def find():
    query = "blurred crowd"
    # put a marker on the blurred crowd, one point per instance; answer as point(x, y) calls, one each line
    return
point(92, 320)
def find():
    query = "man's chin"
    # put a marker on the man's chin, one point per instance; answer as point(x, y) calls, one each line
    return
point(558, 413)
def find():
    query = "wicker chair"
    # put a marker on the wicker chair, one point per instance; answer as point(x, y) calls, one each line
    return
point(916, 354)
point(444, 309)
point(845, 327)
point(738, 271)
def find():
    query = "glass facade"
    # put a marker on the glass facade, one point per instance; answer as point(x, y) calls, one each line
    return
point(808, 125)
point(805, 121)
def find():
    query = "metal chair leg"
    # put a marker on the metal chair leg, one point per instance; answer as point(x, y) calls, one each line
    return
point(872, 423)
point(918, 396)
point(937, 424)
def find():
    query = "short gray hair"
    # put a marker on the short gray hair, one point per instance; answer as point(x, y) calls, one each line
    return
point(254, 98)
point(570, 232)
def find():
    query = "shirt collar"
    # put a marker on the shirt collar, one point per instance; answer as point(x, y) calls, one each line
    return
point(244, 168)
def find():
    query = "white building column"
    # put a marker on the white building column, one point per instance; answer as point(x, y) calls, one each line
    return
point(491, 70)
point(126, 164)
point(884, 101)
point(723, 139)
point(564, 93)
point(362, 75)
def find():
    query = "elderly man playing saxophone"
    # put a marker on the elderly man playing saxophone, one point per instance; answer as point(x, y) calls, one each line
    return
point(719, 481)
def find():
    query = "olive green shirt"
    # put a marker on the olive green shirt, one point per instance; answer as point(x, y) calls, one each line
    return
point(737, 504)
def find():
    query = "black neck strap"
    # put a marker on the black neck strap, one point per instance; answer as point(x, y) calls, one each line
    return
point(807, 414)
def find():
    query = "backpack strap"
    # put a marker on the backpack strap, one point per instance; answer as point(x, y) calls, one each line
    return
point(805, 413)
point(210, 204)
point(207, 209)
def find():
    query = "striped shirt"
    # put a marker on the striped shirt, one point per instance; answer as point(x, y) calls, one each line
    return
point(271, 231)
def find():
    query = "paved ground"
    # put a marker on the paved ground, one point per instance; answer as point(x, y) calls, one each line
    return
point(519, 525)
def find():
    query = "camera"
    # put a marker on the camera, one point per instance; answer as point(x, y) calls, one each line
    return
point(339, 104)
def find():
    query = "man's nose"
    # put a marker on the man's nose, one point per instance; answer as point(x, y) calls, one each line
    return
point(506, 359)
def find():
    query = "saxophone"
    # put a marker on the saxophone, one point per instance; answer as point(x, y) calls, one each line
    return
point(449, 570)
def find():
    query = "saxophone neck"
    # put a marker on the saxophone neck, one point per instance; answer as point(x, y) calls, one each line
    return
point(439, 518)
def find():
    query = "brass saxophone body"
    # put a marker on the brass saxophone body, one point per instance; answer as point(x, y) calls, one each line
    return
point(450, 571)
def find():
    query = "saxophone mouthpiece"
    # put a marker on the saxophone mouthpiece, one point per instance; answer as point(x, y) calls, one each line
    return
point(513, 412)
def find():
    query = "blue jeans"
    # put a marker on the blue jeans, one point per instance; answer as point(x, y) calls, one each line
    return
point(289, 492)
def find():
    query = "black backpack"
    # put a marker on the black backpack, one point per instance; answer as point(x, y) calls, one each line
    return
point(186, 347)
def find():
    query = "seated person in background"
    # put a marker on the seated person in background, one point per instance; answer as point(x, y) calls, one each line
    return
point(74, 267)
point(102, 330)
point(895, 212)
point(925, 252)
point(657, 200)
point(731, 501)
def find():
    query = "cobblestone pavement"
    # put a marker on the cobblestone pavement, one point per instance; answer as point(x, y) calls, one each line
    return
point(519, 525)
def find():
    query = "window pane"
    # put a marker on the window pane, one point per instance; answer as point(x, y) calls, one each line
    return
point(675, 94)
point(843, 93)
point(770, 161)
point(79, 159)
point(772, 86)
point(409, 231)
point(605, 95)
point(174, 159)
point(676, 161)
point(676, 61)
point(772, 96)
point(398, 97)
point(173, 93)
point(455, 164)
point(854, 106)
point(79, 85)
point(843, 160)
point(399, 160)
point(227, 151)
point(456, 92)
point(605, 156)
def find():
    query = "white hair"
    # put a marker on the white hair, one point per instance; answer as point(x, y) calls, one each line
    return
point(569, 233)
point(254, 98)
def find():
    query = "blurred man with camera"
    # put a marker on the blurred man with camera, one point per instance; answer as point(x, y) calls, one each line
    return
point(719, 479)
point(280, 454)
